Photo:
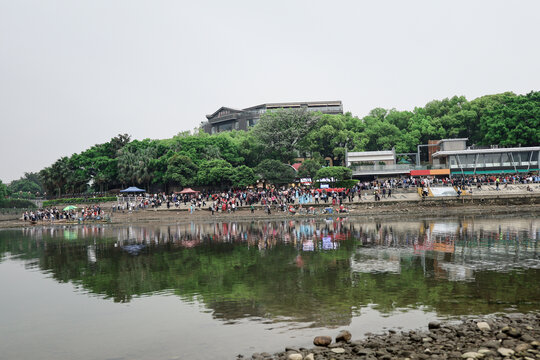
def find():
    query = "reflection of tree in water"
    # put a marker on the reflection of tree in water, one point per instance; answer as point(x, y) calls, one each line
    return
point(260, 269)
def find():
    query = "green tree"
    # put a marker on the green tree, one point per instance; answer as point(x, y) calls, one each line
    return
point(117, 143)
point(338, 173)
point(78, 176)
point(275, 172)
point(329, 137)
point(29, 183)
point(203, 147)
point(3, 190)
point(400, 119)
point(309, 168)
point(281, 131)
point(215, 172)
point(135, 161)
point(249, 149)
point(243, 176)
point(45, 175)
point(181, 170)
point(379, 134)
point(55, 176)
point(508, 119)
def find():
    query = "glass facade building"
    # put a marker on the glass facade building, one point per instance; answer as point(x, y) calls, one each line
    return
point(490, 161)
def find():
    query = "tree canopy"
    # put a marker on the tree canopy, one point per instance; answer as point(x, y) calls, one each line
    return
point(239, 158)
point(3, 190)
point(338, 173)
point(282, 131)
point(275, 172)
point(309, 168)
point(30, 183)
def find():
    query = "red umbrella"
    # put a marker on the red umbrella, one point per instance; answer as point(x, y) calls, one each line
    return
point(189, 191)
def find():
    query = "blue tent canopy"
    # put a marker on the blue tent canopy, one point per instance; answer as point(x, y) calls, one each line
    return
point(132, 189)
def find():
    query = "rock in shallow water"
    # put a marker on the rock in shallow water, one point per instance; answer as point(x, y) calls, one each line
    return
point(344, 336)
point(322, 341)
point(434, 325)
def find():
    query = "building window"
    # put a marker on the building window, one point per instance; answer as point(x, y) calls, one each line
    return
point(506, 160)
point(453, 162)
point(225, 127)
point(534, 159)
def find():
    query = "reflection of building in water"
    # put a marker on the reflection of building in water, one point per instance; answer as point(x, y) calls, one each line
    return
point(308, 235)
point(457, 272)
point(372, 260)
point(453, 249)
point(91, 253)
point(475, 244)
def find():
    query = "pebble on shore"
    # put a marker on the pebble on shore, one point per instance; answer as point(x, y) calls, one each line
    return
point(511, 336)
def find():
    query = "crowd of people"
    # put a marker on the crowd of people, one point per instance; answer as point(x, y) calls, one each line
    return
point(295, 199)
point(230, 201)
point(93, 212)
point(288, 200)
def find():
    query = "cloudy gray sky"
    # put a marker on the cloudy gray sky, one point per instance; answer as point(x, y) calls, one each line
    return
point(76, 73)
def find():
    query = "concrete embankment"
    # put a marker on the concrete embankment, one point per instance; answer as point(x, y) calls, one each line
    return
point(401, 204)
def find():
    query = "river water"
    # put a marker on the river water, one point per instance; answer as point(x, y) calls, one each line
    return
point(214, 290)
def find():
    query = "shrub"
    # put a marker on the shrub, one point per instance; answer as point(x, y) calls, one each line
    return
point(16, 203)
point(346, 183)
point(22, 195)
point(337, 172)
point(69, 201)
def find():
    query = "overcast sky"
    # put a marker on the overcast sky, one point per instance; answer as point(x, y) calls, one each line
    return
point(77, 73)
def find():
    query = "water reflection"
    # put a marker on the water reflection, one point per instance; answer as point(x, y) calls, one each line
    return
point(317, 272)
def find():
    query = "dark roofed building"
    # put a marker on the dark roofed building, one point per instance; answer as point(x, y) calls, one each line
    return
point(226, 118)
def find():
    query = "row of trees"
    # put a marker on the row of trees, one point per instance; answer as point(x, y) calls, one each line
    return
point(239, 158)
point(26, 187)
